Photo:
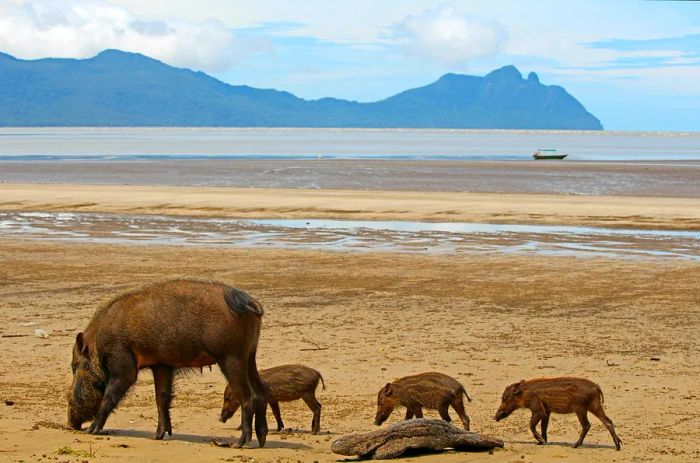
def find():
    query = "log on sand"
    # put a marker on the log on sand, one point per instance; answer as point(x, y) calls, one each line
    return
point(417, 434)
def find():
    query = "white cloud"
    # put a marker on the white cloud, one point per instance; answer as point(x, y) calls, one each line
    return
point(445, 35)
point(83, 28)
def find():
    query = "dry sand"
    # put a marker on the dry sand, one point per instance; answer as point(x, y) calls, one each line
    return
point(608, 211)
point(488, 321)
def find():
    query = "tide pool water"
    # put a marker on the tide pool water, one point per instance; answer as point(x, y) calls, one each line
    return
point(341, 235)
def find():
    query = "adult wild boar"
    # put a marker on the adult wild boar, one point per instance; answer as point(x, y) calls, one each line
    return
point(435, 391)
point(285, 383)
point(166, 326)
point(544, 396)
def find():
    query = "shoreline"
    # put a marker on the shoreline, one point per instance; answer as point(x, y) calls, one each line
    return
point(663, 213)
point(569, 177)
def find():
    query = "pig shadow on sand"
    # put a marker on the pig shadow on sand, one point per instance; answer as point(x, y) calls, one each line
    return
point(563, 444)
point(306, 432)
point(201, 439)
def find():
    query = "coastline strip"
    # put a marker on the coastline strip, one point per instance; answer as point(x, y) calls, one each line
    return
point(545, 209)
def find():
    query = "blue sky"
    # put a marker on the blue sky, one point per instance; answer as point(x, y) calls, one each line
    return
point(634, 64)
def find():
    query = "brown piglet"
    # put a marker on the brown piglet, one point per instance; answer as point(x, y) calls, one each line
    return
point(544, 396)
point(285, 383)
point(435, 391)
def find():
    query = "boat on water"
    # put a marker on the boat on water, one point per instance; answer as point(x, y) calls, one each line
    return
point(548, 153)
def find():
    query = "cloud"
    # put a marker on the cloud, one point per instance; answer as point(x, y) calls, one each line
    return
point(83, 28)
point(659, 52)
point(447, 36)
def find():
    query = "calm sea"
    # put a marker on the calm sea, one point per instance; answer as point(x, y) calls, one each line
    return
point(108, 143)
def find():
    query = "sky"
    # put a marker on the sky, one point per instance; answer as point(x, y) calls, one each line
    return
point(634, 64)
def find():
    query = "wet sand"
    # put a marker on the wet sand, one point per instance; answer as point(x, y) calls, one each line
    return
point(602, 211)
point(350, 235)
point(487, 320)
point(569, 177)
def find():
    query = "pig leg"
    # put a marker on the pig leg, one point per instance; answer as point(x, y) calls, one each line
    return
point(275, 406)
point(458, 405)
point(545, 423)
point(259, 393)
point(444, 413)
point(163, 381)
point(122, 375)
point(315, 407)
point(582, 414)
point(534, 421)
point(608, 424)
point(235, 371)
point(413, 410)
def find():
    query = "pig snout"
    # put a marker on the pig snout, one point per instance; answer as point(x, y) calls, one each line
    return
point(225, 415)
point(381, 417)
point(378, 419)
point(501, 414)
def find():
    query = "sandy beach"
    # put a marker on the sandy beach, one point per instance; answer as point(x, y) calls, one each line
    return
point(608, 211)
point(487, 321)
point(491, 191)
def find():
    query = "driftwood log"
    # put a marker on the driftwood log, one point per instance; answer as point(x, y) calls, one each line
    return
point(416, 434)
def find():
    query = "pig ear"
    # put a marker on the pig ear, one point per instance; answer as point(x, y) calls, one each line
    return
point(518, 389)
point(388, 389)
point(80, 342)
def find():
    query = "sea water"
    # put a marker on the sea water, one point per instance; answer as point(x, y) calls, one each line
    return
point(108, 143)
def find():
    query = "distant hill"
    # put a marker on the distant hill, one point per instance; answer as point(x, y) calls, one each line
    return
point(116, 88)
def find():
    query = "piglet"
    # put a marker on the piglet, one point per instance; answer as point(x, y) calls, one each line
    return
point(435, 391)
point(544, 396)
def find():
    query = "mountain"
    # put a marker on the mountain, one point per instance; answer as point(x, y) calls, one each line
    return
point(117, 88)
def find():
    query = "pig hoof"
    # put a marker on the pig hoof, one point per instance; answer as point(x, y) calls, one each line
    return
point(93, 429)
point(243, 440)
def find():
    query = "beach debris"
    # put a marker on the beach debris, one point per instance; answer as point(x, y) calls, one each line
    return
point(417, 434)
point(221, 443)
point(611, 364)
point(26, 324)
point(69, 451)
point(655, 359)
point(15, 335)
point(9, 402)
point(316, 345)
point(39, 333)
